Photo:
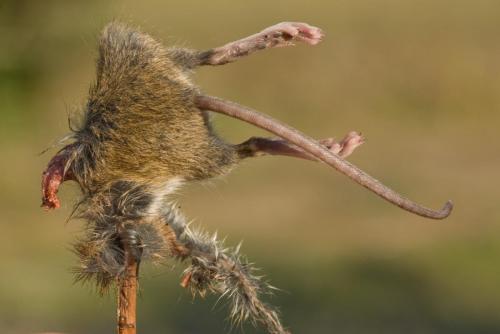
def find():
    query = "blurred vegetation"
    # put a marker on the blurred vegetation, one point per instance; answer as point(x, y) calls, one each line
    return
point(421, 80)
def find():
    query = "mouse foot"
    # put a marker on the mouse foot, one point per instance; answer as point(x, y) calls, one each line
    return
point(279, 35)
point(346, 146)
point(258, 146)
point(284, 33)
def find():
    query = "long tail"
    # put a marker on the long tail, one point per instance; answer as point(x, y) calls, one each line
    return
point(314, 148)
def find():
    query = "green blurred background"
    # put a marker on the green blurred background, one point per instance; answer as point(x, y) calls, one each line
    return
point(419, 78)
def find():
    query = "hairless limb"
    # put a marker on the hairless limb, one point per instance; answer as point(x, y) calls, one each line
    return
point(317, 150)
point(279, 35)
point(257, 146)
point(56, 173)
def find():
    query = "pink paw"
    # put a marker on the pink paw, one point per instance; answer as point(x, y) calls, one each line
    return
point(346, 146)
point(295, 31)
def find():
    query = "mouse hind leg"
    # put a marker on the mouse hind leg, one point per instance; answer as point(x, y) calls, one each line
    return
point(279, 35)
point(258, 146)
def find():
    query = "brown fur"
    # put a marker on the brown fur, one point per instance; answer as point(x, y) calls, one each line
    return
point(140, 123)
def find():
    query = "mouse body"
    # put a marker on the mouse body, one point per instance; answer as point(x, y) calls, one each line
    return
point(140, 124)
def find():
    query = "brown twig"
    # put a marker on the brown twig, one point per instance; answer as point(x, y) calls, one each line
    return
point(127, 296)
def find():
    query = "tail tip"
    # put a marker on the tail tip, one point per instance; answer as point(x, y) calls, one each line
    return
point(446, 210)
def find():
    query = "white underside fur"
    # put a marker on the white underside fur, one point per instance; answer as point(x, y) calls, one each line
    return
point(161, 193)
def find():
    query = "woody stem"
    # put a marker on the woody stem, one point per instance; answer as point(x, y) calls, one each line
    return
point(127, 296)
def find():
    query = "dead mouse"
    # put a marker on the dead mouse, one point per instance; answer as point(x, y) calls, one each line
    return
point(146, 130)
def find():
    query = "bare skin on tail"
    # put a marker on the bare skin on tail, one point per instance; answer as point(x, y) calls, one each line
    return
point(317, 150)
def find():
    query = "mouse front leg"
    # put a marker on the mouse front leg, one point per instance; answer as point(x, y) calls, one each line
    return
point(258, 146)
point(280, 35)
